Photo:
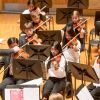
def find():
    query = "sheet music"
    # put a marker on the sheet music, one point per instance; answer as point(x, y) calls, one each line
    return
point(31, 93)
point(96, 67)
point(37, 82)
point(84, 94)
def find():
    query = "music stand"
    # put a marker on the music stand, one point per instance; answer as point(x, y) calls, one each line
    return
point(27, 18)
point(26, 69)
point(23, 19)
point(49, 37)
point(84, 4)
point(39, 52)
point(42, 3)
point(83, 72)
point(63, 15)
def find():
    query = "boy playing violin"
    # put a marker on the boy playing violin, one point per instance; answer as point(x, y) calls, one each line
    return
point(8, 78)
point(28, 36)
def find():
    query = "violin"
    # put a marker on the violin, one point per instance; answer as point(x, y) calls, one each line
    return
point(41, 28)
point(73, 43)
point(20, 54)
point(34, 39)
point(79, 26)
point(55, 61)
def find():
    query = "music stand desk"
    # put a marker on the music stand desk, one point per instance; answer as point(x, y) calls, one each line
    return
point(49, 37)
point(83, 72)
point(26, 69)
point(39, 52)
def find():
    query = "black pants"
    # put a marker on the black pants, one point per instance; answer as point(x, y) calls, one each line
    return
point(53, 85)
point(8, 81)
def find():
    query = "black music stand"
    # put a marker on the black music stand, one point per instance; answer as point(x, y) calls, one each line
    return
point(49, 37)
point(23, 19)
point(83, 72)
point(42, 3)
point(27, 18)
point(63, 15)
point(39, 52)
point(84, 4)
point(26, 69)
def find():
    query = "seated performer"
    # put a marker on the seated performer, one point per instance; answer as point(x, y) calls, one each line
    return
point(8, 78)
point(28, 35)
point(56, 72)
point(76, 21)
point(93, 87)
point(32, 6)
point(37, 21)
point(71, 53)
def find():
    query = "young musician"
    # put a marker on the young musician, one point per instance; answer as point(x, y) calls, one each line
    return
point(72, 50)
point(81, 28)
point(27, 35)
point(56, 72)
point(32, 6)
point(8, 78)
point(71, 53)
point(38, 20)
point(93, 87)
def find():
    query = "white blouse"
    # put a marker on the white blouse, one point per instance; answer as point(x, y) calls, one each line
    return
point(60, 72)
point(72, 55)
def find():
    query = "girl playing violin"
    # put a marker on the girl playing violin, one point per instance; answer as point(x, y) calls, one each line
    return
point(71, 53)
point(81, 28)
point(56, 72)
point(28, 36)
point(8, 78)
point(37, 21)
point(32, 6)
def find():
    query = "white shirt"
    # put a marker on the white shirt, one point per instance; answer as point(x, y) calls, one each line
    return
point(60, 72)
point(26, 11)
point(71, 55)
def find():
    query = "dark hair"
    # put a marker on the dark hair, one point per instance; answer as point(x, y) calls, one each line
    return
point(57, 46)
point(12, 40)
point(71, 32)
point(31, 2)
